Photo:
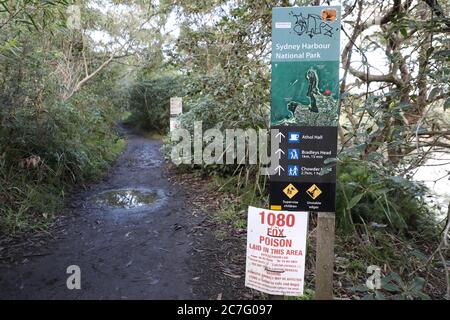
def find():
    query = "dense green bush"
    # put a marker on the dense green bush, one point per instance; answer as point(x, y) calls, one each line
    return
point(150, 101)
point(69, 144)
point(370, 195)
point(48, 144)
point(56, 131)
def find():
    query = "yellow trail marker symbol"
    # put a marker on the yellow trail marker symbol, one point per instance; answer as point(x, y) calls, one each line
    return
point(290, 191)
point(314, 192)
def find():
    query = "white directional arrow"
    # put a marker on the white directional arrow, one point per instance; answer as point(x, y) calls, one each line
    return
point(278, 170)
point(279, 152)
point(280, 136)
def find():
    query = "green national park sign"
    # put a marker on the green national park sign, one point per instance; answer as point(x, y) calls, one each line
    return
point(305, 65)
point(305, 106)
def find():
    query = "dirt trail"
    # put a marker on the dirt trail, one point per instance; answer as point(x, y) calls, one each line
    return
point(144, 253)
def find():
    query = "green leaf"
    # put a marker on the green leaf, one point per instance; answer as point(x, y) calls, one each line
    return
point(441, 54)
point(390, 287)
point(404, 32)
point(32, 21)
point(418, 284)
point(379, 295)
point(382, 191)
point(434, 92)
point(368, 297)
point(395, 277)
point(403, 105)
point(359, 289)
point(418, 254)
point(325, 170)
point(447, 104)
point(354, 201)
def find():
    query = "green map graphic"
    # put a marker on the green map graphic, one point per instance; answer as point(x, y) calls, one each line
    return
point(305, 93)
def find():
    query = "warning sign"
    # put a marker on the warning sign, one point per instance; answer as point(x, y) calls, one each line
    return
point(276, 245)
point(310, 196)
point(314, 192)
point(290, 191)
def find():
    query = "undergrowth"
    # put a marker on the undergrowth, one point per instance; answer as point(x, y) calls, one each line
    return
point(398, 244)
point(43, 153)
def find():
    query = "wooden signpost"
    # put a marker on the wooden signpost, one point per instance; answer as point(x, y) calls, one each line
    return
point(325, 256)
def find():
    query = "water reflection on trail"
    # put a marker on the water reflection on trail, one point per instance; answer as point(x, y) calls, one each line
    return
point(126, 199)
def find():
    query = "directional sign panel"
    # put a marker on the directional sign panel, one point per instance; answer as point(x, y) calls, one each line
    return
point(307, 154)
point(305, 107)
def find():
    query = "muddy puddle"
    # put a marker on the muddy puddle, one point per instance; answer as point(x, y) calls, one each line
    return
point(129, 199)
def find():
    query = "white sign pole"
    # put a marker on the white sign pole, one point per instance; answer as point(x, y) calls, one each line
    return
point(176, 108)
